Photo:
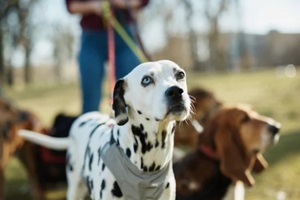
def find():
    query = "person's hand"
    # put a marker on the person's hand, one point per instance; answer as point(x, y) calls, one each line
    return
point(96, 7)
point(118, 3)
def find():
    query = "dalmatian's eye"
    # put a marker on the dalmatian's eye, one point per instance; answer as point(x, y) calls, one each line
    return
point(147, 80)
point(180, 75)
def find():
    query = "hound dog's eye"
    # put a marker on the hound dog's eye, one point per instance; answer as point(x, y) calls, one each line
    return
point(180, 75)
point(147, 80)
point(245, 119)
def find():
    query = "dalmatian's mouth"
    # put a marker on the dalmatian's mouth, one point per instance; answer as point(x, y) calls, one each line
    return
point(177, 108)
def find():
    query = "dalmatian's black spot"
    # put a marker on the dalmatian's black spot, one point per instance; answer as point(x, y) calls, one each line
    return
point(84, 122)
point(152, 167)
point(156, 143)
point(69, 164)
point(141, 127)
point(88, 150)
point(149, 146)
point(173, 128)
point(156, 119)
point(128, 152)
point(147, 119)
point(157, 168)
point(103, 184)
point(87, 156)
point(139, 112)
point(174, 70)
point(139, 133)
point(91, 161)
point(89, 184)
point(142, 163)
point(163, 138)
point(118, 132)
point(103, 166)
point(99, 155)
point(94, 130)
point(145, 169)
point(118, 142)
point(112, 139)
point(135, 145)
point(167, 186)
point(116, 191)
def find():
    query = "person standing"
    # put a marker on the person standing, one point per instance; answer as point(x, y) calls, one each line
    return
point(94, 45)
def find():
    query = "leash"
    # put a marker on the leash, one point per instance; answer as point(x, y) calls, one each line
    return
point(113, 23)
point(111, 48)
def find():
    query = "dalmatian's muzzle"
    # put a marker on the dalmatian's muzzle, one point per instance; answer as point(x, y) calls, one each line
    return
point(174, 98)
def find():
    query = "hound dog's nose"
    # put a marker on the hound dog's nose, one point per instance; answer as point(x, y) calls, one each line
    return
point(174, 93)
point(273, 129)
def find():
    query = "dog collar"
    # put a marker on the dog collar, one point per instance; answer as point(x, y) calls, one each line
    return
point(134, 183)
point(207, 151)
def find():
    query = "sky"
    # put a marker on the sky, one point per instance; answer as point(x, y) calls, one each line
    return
point(260, 16)
point(257, 16)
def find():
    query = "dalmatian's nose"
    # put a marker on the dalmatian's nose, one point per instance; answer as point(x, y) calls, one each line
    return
point(174, 93)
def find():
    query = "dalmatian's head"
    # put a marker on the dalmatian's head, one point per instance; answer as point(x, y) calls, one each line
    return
point(155, 90)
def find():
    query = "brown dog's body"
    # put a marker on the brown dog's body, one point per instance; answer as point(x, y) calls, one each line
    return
point(228, 150)
point(11, 120)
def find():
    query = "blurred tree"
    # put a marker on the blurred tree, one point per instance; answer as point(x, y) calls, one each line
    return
point(16, 32)
point(5, 7)
point(190, 26)
point(26, 36)
point(192, 36)
point(213, 13)
point(62, 39)
point(1, 58)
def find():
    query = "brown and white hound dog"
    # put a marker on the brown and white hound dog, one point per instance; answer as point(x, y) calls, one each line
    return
point(228, 150)
point(11, 120)
point(204, 105)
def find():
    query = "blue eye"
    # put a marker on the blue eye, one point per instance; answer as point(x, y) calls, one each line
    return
point(180, 75)
point(147, 80)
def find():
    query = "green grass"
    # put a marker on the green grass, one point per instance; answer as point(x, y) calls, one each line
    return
point(277, 97)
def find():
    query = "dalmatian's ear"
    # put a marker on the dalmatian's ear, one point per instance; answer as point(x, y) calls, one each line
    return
point(119, 105)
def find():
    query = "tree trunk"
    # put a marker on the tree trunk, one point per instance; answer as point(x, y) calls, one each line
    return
point(10, 80)
point(1, 58)
point(27, 67)
point(193, 37)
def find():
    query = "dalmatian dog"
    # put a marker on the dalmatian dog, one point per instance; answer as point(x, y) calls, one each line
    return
point(146, 103)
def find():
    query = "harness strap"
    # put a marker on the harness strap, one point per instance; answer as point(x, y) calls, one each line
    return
point(134, 183)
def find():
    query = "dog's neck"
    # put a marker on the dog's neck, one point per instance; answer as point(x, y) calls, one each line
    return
point(148, 144)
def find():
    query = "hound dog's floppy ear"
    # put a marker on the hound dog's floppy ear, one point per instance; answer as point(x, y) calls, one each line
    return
point(233, 159)
point(119, 105)
point(260, 163)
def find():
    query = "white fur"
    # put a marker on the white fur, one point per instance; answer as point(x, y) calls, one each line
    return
point(236, 191)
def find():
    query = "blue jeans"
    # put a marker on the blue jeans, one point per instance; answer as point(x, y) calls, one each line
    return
point(92, 56)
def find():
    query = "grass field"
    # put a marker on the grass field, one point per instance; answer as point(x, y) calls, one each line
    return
point(270, 94)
